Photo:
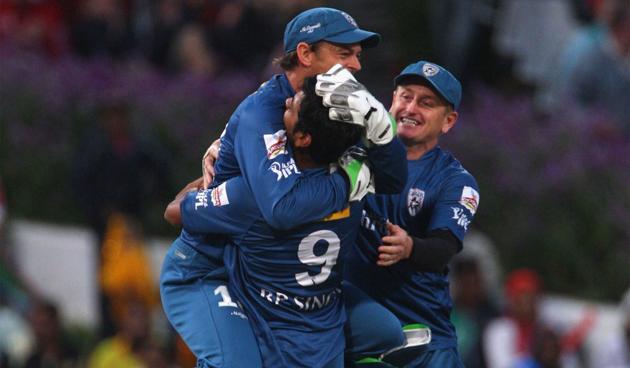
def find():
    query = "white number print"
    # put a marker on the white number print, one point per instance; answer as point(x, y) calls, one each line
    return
point(225, 295)
point(327, 260)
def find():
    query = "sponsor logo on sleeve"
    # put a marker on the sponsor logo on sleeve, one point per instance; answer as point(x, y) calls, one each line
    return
point(415, 198)
point(284, 169)
point(201, 199)
point(460, 216)
point(276, 144)
point(470, 199)
point(219, 196)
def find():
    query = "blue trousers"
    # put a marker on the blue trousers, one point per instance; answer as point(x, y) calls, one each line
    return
point(371, 329)
point(439, 358)
point(202, 311)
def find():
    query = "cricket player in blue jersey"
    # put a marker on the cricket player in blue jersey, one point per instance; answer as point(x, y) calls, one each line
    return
point(252, 143)
point(288, 281)
point(408, 239)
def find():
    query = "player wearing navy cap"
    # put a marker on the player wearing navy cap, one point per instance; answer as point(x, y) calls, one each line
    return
point(289, 282)
point(408, 239)
point(253, 145)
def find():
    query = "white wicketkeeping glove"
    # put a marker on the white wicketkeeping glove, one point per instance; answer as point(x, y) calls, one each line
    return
point(349, 101)
point(354, 163)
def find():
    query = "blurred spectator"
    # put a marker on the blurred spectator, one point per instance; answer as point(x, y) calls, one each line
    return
point(473, 309)
point(192, 52)
point(509, 338)
point(168, 19)
point(531, 34)
point(245, 33)
point(125, 273)
point(460, 31)
point(16, 339)
point(36, 25)
point(545, 352)
point(594, 69)
point(52, 348)
point(615, 352)
point(117, 172)
point(125, 348)
point(102, 29)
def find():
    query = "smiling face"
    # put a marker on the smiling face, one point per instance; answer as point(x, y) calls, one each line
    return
point(422, 116)
point(329, 54)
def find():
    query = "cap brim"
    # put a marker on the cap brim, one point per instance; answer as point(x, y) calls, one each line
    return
point(365, 38)
point(411, 77)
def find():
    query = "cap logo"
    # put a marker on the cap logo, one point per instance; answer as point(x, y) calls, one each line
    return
point(429, 70)
point(310, 28)
point(350, 19)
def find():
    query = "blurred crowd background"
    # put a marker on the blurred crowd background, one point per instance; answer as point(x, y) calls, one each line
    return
point(106, 107)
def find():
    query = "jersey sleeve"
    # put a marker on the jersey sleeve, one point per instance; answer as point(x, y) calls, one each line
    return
point(456, 205)
point(226, 209)
point(389, 167)
point(285, 198)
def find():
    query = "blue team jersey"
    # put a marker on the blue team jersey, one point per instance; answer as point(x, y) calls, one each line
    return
point(440, 194)
point(289, 282)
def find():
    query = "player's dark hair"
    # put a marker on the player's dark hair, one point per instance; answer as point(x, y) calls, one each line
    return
point(329, 138)
point(289, 61)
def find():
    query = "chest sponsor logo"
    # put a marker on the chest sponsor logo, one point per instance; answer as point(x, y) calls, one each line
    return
point(470, 199)
point(284, 169)
point(415, 198)
point(460, 216)
point(219, 196)
point(276, 144)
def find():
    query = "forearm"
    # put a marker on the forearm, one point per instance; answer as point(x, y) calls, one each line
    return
point(434, 252)
point(172, 213)
point(389, 167)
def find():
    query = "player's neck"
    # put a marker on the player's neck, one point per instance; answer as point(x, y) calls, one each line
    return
point(296, 78)
point(416, 150)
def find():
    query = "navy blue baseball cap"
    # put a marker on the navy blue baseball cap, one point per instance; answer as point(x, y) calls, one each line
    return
point(326, 24)
point(441, 79)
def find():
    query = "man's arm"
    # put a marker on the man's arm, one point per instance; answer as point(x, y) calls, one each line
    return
point(428, 254)
point(389, 167)
point(172, 213)
point(284, 197)
point(228, 208)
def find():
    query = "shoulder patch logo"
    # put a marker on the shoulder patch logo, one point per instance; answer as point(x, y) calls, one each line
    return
point(276, 144)
point(415, 198)
point(470, 199)
point(219, 196)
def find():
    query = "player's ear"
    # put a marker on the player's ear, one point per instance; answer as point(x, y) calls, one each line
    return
point(304, 54)
point(301, 139)
point(449, 121)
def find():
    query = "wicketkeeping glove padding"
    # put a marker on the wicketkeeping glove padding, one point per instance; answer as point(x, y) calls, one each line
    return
point(354, 163)
point(349, 101)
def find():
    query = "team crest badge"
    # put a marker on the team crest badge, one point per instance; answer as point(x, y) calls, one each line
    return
point(414, 200)
point(429, 70)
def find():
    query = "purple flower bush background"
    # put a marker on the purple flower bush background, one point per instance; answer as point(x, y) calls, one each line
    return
point(555, 191)
point(47, 111)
